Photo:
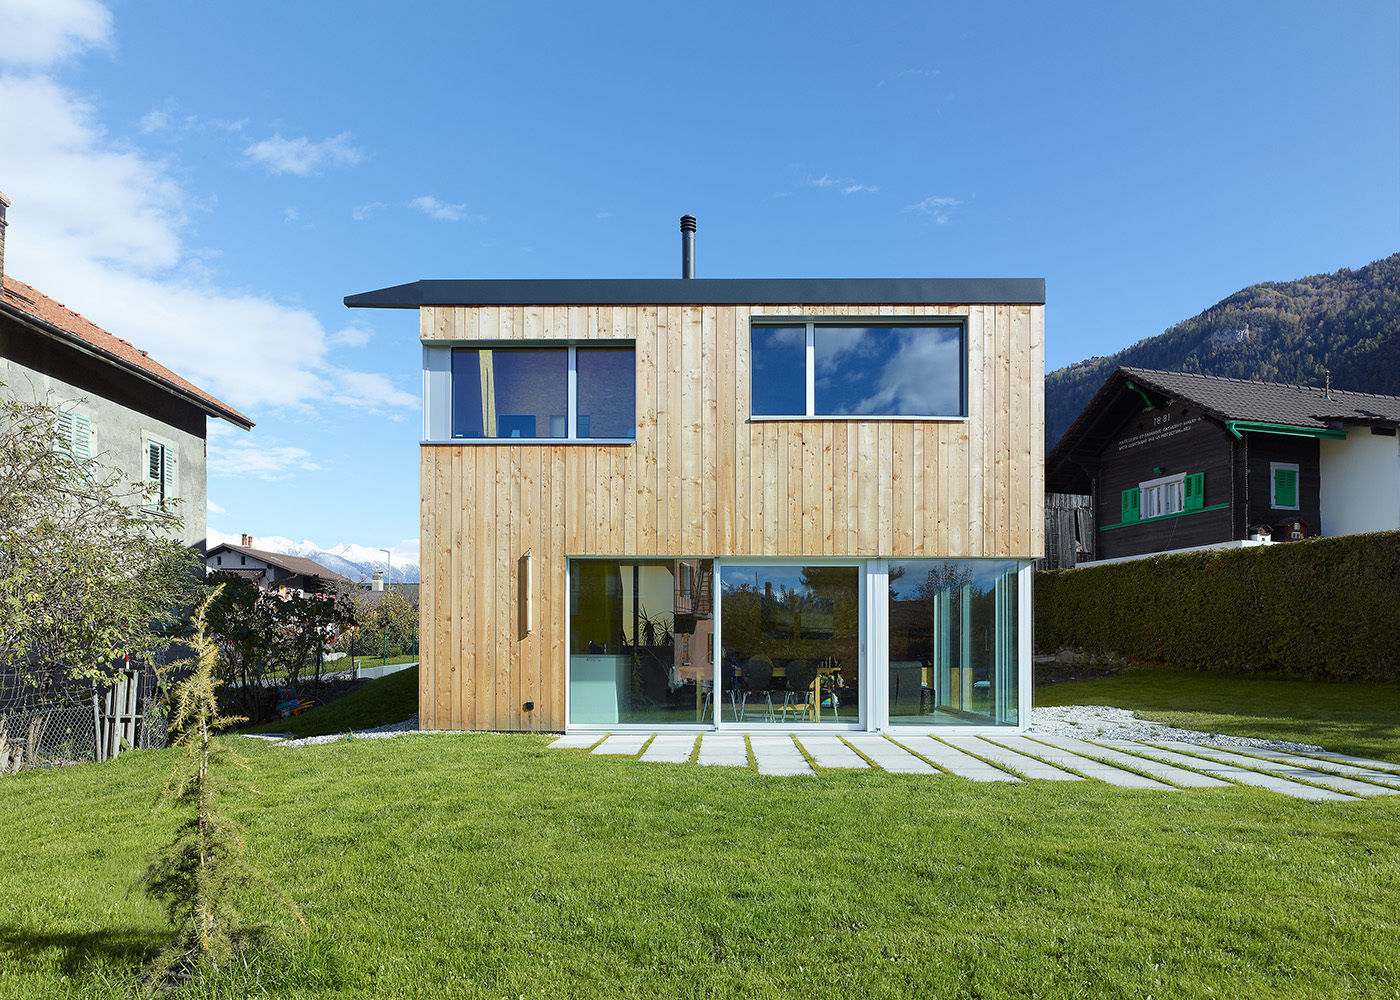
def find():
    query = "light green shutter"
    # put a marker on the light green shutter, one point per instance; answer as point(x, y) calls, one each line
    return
point(63, 431)
point(1285, 488)
point(1195, 491)
point(82, 438)
point(1131, 503)
point(167, 482)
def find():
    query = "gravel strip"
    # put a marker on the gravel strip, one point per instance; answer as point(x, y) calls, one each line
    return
point(409, 725)
point(1089, 722)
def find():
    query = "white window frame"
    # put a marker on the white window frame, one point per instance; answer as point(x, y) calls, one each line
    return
point(1274, 469)
point(1152, 491)
point(437, 391)
point(960, 323)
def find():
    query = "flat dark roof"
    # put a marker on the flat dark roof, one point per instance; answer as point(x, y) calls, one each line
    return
point(703, 291)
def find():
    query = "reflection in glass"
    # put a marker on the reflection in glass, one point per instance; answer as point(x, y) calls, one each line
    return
point(889, 371)
point(510, 392)
point(790, 638)
point(607, 392)
point(641, 641)
point(778, 380)
point(953, 642)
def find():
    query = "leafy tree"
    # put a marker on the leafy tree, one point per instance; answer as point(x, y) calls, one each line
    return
point(385, 620)
point(200, 874)
point(89, 572)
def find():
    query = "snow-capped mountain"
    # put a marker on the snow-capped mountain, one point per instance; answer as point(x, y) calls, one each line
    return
point(357, 562)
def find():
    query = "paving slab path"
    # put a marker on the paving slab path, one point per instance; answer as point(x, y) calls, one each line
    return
point(1011, 757)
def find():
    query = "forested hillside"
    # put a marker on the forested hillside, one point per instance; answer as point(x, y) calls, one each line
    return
point(1348, 322)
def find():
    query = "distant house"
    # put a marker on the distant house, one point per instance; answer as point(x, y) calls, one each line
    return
point(1175, 460)
point(273, 571)
point(376, 588)
point(115, 401)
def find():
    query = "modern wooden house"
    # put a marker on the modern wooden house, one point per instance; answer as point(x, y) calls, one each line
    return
point(1175, 460)
point(718, 503)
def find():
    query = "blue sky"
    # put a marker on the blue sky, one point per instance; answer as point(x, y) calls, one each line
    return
point(209, 180)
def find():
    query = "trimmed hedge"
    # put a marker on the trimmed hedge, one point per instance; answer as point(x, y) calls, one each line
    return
point(1318, 608)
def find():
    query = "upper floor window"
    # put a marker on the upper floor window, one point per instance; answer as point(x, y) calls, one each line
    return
point(160, 473)
point(858, 368)
point(540, 393)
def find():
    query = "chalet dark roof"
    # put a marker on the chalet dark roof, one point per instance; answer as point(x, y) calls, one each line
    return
point(292, 564)
point(1225, 399)
point(1270, 402)
point(702, 291)
point(56, 320)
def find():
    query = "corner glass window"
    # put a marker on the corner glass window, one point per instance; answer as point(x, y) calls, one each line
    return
point(953, 643)
point(854, 369)
point(641, 642)
point(544, 393)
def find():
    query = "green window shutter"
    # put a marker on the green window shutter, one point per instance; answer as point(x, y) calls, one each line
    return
point(167, 482)
point(1131, 503)
point(63, 431)
point(1285, 488)
point(82, 438)
point(1194, 491)
point(154, 472)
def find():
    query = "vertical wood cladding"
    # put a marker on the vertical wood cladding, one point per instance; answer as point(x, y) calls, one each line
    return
point(702, 479)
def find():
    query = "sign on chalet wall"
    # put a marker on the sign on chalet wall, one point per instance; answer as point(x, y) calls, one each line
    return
point(1160, 425)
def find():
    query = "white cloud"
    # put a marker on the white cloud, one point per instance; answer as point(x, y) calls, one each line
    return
point(934, 209)
point(154, 121)
point(441, 211)
point(291, 214)
point(363, 212)
point(303, 157)
point(845, 185)
point(100, 227)
point(210, 507)
point(349, 336)
point(42, 32)
point(241, 456)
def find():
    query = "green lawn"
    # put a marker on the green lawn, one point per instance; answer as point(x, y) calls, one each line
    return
point(1356, 718)
point(381, 701)
point(490, 866)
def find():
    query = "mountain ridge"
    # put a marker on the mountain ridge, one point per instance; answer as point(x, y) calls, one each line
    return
point(1346, 323)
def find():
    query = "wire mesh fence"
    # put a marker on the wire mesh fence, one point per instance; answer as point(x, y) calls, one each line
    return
point(56, 728)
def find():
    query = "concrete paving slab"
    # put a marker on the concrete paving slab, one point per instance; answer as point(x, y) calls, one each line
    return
point(1065, 758)
point(1176, 775)
point(1019, 763)
point(1334, 766)
point(1241, 775)
point(1286, 770)
point(778, 755)
point(890, 756)
point(1390, 767)
point(671, 748)
point(623, 744)
point(954, 760)
point(577, 741)
point(828, 751)
point(723, 750)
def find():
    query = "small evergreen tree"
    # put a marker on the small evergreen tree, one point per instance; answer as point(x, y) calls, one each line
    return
point(201, 872)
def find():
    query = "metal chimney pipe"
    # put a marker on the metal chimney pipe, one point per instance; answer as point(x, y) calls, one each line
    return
point(687, 246)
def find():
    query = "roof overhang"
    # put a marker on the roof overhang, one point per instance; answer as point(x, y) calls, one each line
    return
point(703, 291)
point(83, 346)
point(1239, 427)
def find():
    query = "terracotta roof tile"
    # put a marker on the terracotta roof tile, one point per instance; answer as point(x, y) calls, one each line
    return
point(36, 305)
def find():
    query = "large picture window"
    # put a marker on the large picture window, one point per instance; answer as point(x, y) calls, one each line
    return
point(544, 393)
point(858, 369)
point(641, 636)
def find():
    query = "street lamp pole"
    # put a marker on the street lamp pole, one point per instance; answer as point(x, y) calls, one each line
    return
point(389, 563)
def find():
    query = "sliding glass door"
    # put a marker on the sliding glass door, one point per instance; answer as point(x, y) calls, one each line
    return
point(791, 644)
